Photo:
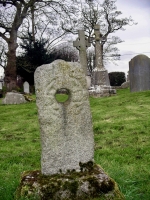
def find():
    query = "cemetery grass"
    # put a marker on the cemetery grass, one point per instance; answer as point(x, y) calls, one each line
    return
point(121, 127)
point(122, 139)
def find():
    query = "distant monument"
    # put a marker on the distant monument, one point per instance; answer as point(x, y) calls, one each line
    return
point(100, 74)
point(100, 79)
point(82, 43)
point(139, 73)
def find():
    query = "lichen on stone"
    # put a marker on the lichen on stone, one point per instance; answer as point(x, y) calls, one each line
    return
point(86, 184)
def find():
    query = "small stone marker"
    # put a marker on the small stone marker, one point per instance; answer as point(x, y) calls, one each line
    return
point(66, 128)
point(1, 86)
point(26, 87)
point(13, 98)
point(82, 44)
point(139, 73)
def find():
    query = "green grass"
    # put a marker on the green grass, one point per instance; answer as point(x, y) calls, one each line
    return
point(122, 139)
point(62, 98)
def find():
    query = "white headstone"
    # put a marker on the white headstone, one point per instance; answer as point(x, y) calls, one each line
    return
point(26, 87)
point(1, 86)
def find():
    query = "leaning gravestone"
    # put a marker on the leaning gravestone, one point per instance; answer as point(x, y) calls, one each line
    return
point(139, 73)
point(66, 128)
point(68, 171)
point(26, 87)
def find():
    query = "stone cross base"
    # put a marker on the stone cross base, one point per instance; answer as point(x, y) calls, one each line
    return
point(102, 91)
point(91, 183)
point(100, 77)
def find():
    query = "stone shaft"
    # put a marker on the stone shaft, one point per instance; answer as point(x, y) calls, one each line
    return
point(98, 48)
point(82, 44)
point(66, 128)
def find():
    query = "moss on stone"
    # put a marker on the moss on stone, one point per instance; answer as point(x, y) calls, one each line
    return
point(92, 182)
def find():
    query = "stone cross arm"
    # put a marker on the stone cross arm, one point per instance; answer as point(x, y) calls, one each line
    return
point(81, 43)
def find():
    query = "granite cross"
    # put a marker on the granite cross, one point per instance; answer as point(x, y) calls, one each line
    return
point(82, 44)
point(98, 48)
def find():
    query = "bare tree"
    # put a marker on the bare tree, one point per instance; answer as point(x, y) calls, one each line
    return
point(110, 21)
point(3, 49)
point(12, 15)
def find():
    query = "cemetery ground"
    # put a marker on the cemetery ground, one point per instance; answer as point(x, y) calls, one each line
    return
point(121, 126)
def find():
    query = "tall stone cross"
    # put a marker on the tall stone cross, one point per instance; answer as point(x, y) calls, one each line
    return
point(98, 48)
point(82, 44)
point(100, 74)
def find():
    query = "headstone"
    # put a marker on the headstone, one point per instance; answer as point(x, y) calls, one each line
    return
point(66, 128)
point(1, 86)
point(26, 87)
point(139, 73)
point(125, 85)
point(82, 44)
point(128, 80)
point(100, 74)
point(13, 98)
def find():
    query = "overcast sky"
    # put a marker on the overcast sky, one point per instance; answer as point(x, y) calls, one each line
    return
point(136, 38)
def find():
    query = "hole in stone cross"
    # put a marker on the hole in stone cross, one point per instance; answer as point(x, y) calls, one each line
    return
point(62, 95)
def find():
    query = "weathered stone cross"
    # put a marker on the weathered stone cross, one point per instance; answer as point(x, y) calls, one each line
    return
point(82, 44)
point(98, 48)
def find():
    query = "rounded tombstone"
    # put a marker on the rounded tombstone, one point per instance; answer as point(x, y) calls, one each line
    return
point(139, 73)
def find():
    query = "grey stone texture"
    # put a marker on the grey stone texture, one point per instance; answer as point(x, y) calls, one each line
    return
point(102, 91)
point(13, 98)
point(1, 86)
point(82, 44)
point(125, 85)
point(100, 74)
point(98, 48)
point(100, 77)
point(90, 184)
point(26, 87)
point(139, 73)
point(66, 128)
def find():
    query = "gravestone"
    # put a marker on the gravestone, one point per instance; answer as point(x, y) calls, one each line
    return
point(68, 170)
point(13, 98)
point(125, 85)
point(139, 73)
point(26, 87)
point(100, 79)
point(1, 86)
point(82, 44)
point(100, 74)
point(66, 128)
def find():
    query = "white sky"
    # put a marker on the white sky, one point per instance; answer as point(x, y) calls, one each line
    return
point(136, 38)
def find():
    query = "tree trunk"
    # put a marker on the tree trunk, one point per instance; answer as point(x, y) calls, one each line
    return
point(10, 71)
